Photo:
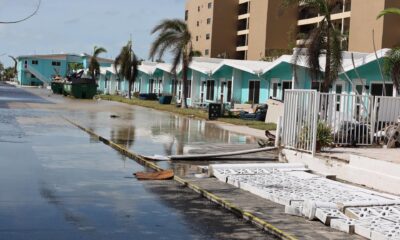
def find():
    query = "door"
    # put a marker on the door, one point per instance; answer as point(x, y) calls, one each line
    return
point(339, 89)
point(254, 92)
point(222, 92)
point(229, 91)
point(202, 91)
point(285, 85)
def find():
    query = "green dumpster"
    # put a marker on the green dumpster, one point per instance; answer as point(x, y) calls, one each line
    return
point(83, 88)
point(57, 87)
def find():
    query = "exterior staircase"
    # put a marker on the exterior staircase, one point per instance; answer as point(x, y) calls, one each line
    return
point(45, 80)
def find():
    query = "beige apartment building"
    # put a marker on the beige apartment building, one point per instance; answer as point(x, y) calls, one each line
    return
point(252, 29)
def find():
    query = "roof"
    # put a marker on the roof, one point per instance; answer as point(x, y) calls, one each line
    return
point(104, 70)
point(365, 59)
point(203, 65)
point(148, 67)
point(63, 56)
point(48, 56)
point(166, 67)
point(253, 67)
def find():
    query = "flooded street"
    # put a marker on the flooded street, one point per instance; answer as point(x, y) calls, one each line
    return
point(58, 183)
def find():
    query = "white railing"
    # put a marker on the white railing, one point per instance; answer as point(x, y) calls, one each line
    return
point(353, 119)
point(349, 116)
point(386, 113)
point(300, 120)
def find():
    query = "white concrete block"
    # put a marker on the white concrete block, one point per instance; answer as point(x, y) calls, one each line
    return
point(343, 224)
point(295, 211)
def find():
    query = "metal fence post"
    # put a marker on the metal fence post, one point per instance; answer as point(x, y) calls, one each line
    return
point(278, 132)
point(315, 122)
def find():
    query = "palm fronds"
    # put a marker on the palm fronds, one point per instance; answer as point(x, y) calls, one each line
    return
point(323, 41)
point(126, 65)
point(94, 65)
point(388, 11)
point(173, 35)
point(391, 66)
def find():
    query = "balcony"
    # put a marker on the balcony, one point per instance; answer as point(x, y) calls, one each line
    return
point(243, 24)
point(241, 41)
point(244, 8)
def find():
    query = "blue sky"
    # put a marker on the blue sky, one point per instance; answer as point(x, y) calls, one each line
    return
point(75, 26)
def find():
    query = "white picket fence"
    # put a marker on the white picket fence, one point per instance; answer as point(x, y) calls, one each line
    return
point(353, 119)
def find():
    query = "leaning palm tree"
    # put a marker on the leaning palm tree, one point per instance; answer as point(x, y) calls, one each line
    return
point(126, 65)
point(15, 71)
point(323, 40)
point(94, 66)
point(174, 35)
point(391, 64)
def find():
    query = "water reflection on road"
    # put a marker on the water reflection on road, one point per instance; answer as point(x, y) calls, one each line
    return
point(151, 132)
point(58, 183)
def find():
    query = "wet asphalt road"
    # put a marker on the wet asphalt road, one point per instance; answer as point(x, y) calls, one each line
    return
point(58, 183)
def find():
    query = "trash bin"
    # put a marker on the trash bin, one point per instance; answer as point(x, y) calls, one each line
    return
point(214, 111)
point(57, 87)
point(81, 88)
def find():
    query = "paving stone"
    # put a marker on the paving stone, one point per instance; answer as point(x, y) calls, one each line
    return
point(313, 196)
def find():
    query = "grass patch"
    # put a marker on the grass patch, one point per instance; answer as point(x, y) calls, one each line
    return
point(192, 112)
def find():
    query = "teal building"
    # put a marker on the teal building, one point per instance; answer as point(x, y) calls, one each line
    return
point(34, 70)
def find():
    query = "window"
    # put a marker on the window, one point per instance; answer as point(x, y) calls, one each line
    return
point(339, 90)
point(254, 92)
point(186, 15)
point(197, 38)
point(198, 23)
point(55, 63)
point(33, 76)
point(229, 94)
point(207, 52)
point(198, 8)
point(105, 82)
point(377, 89)
point(209, 5)
point(286, 85)
point(316, 85)
point(210, 90)
point(208, 21)
point(35, 62)
point(174, 86)
point(275, 90)
point(188, 89)
point(160, 87)
point(207, 36)
point(151, 86)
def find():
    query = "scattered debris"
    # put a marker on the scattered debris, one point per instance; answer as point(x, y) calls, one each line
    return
point(161, 175)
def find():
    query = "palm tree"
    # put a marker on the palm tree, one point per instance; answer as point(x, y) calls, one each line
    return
point(391, 64)
point(174, 35)
point(323, 40)
point(94, 66)
point(15, 71)
point(126, 65)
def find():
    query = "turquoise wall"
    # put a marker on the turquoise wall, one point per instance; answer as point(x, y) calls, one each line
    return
point(45, 68)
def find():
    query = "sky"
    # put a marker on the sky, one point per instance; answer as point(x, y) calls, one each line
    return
point(76, 26)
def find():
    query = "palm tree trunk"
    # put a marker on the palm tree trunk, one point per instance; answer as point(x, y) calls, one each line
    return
point(130, 88)
point(327, 77)
point(184, 83)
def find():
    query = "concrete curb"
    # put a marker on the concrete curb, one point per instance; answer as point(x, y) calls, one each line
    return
point(259, 223)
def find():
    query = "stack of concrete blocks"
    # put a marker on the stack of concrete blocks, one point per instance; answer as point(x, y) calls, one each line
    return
point(341, 206)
